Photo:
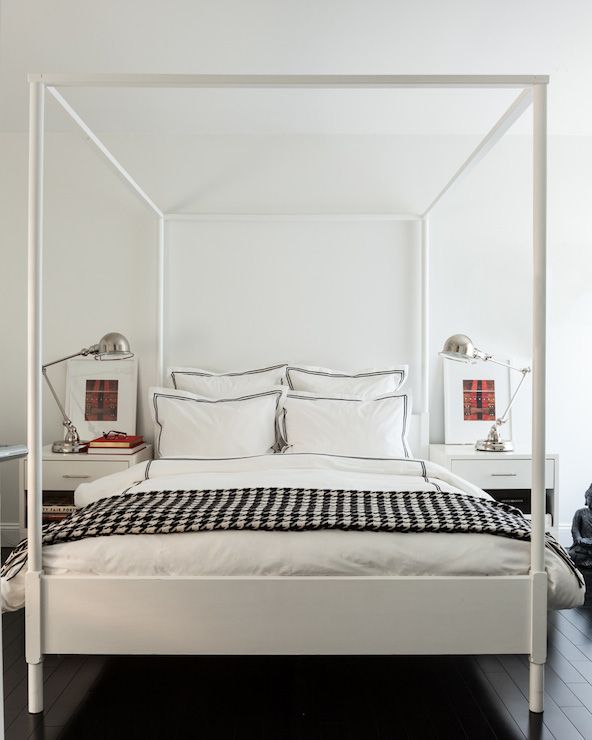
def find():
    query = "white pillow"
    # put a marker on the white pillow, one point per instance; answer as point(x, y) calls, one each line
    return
point(346, 426)
point(224, 385)
point(364, 384)
point(190, 426)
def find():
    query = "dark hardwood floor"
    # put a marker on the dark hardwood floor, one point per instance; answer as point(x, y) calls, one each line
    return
point(313, 698)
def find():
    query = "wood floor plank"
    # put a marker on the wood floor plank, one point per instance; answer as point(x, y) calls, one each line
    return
point(14, 653)
point(485, 695)
point(73, 695)
point(564, 645)
point(24, 726)
point(42, 732)
point(250, 729)
point(391, 728)
point(13, 677)
point(471, 717)
point(490, 664)
point(516, 704)
point(575, 633)
point(437, 719)
point(583, 691)
point(586, 648)
point(578, 619)
point(62, 676)
point(16, 702)
point(584, 667)
point(332, 730)
point(564, 669)
point(558, 690)
point(11, 630)
point(309, 698)
point(581, 718)
point(558, 722)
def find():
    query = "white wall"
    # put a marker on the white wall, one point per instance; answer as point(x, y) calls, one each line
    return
point(481, 264)
point(99, 276)
point(481, 270)
point(341, 294)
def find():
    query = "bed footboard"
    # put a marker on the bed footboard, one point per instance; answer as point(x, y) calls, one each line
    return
point(274, 615)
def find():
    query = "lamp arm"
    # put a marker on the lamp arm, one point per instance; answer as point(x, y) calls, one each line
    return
point(66, 420)
point(504, 417)
point(489, 358)
point(81, 353)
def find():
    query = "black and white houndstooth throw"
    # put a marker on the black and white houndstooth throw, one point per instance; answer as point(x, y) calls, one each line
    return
point(284, 509)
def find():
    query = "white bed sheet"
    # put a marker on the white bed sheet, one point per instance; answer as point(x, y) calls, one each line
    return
point(309, 553)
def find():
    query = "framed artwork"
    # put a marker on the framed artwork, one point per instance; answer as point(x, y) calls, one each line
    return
point(475, 395)
point(101, 395)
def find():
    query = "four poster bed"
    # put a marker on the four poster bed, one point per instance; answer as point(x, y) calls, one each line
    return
point(262, 611)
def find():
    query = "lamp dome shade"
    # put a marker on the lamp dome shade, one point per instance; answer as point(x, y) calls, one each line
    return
point(460, 348)
point(114, 346)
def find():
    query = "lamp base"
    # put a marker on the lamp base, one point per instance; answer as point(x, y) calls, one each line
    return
point(66, 447)
point(491, 445)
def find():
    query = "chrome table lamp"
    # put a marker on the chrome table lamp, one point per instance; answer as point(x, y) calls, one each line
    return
point(112, 346)
point(460, 348)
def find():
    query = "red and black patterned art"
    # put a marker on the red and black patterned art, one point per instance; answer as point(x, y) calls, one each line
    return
point(100, 401)
point(479, 400)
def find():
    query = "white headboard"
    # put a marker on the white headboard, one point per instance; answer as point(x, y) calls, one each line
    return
point(336, 292)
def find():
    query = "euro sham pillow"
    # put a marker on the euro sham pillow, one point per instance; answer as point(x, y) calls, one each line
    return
point(346, 425)
point(191, 426)
point(369, 383)
point(223, 385)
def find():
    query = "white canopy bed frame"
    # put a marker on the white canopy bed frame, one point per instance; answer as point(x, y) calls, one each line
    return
point(290, 615)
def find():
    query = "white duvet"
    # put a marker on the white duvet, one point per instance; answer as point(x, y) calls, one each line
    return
point(309, 553)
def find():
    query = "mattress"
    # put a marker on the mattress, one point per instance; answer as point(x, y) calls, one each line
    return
point(292, 553)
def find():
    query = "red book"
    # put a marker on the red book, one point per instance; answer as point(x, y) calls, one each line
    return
point(117, 440)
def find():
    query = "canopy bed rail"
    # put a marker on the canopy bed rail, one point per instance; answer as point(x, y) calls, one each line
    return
point(497, 615)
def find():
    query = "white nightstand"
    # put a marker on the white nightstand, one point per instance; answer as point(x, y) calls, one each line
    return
point(505, 475)
point(63, 473)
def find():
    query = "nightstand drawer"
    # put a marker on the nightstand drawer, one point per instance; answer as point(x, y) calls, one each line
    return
point(66, 475)
point(491, 474)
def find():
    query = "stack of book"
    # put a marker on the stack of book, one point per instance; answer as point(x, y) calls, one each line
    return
point(55, 513)
point(120, 444)
point(57, 505)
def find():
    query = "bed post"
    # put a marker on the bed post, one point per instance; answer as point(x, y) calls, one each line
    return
point(33, 607)
point(425, 336)
point(538, 653)
point(160, 302)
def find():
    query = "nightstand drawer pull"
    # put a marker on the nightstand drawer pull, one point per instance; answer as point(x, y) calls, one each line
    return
point(75, 476)
point(504, 475)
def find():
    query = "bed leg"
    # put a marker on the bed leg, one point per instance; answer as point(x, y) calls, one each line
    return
point(538, 641)
point(33, 642)
point(536, 687)
point(35, 688)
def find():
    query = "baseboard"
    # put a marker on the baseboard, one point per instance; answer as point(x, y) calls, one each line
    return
point(10, 532)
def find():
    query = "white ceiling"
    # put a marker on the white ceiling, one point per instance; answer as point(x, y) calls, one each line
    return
point(299, 150)
point(295, 174)
point(299, 36)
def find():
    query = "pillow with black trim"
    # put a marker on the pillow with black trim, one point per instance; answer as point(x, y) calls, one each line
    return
point(191, 426)
point(220, 385)
point(369, 383)
point(346, 425)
